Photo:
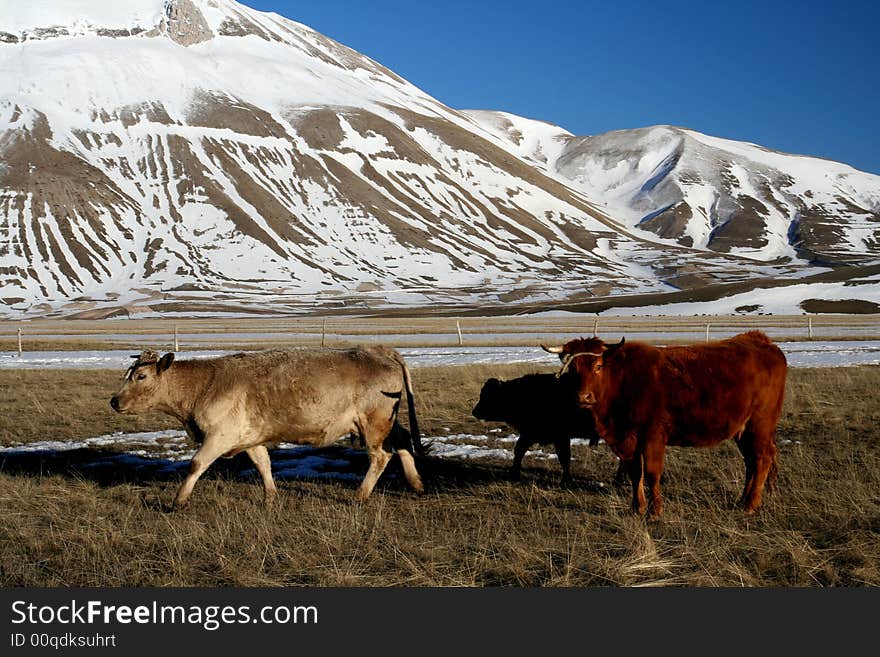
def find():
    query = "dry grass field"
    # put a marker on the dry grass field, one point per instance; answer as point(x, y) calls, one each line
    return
point(65, 525)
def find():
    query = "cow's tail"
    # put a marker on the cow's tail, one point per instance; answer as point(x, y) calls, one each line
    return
point(411, 410)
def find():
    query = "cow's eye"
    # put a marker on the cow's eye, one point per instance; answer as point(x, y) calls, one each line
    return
point(141, 377)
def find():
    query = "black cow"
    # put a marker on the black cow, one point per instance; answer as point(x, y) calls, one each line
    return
point(542, 409)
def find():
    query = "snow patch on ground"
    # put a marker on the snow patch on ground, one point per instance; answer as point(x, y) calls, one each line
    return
point(815, 353)
point(289, 461)
point(782, 300)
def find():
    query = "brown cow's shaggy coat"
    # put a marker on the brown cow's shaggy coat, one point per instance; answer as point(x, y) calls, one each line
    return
point(307, 396)
point(644, 398)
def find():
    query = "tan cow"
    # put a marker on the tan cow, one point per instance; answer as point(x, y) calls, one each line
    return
point(242, 402)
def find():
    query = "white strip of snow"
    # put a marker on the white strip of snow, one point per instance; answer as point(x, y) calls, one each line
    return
point(800, 354)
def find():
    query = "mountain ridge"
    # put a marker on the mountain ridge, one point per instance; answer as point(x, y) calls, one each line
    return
point(638, 195)
point(267, 165)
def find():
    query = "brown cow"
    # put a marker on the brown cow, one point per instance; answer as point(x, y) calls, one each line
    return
point(543, 409)
point(644, 398)
point(245, 401)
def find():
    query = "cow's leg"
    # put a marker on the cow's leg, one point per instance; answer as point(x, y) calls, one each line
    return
point(260, 456)
point(746, 448)
point(377, 431)
point(654, 452)
point(620, 475)
point(402, 443)
point(409, 470)
point(519, 451)
point(634, 468)
point(209, 452)
point(763, 447)
point(629, 452)
point(379, 457)
point(563, 453)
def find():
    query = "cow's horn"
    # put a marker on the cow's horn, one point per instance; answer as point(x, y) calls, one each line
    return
point(616, 346)
point(551, 350)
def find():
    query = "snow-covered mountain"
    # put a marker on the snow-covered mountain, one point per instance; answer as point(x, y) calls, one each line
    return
point(711, 193)
point(199, 155)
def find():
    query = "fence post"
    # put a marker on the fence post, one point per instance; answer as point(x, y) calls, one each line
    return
point(323, 330)
point(19, 341)
point(707, 333)
point(458, 327)
point(595, 327)
point(810, 326)
point(176, 344)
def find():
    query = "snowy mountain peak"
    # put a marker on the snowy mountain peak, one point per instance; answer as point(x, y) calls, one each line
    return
point(186, 22)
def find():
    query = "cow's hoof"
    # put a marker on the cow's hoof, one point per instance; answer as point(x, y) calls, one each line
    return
point(746, 508)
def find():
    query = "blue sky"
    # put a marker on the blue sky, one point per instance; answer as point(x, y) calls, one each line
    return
point(800, 77)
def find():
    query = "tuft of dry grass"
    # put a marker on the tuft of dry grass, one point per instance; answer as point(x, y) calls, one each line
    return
point(68, 526)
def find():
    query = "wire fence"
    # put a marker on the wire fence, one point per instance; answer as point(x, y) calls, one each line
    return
point(334, 332)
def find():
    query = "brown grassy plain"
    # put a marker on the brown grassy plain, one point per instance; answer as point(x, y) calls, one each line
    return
point(64, 525)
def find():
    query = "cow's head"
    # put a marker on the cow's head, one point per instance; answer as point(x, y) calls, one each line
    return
point(491, 404)
point(585, 359)
point(139, 390)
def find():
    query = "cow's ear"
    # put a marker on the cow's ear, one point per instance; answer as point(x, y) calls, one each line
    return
point(165, 362)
